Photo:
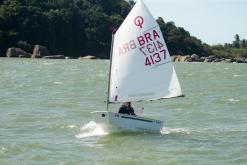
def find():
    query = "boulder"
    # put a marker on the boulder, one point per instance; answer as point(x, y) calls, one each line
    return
point(180, 58)
point(17, 52)
point(227, 60)
point(240, 60)
point(40, 51)
point(207, 60)
point(186, 58)
point(217, 60)
point(195, 57)
point(176, 58)
point(211, 58)
point(202, 59)
point(54, 57)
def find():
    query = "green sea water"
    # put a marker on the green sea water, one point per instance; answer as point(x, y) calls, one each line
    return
point(45, 116)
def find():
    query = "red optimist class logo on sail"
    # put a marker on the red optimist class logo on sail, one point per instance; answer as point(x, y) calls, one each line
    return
point(139, 21)
point(150, 44)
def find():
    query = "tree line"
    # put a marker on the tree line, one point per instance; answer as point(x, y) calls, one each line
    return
point(80, 27)
point(238, 48)
point(70, 27)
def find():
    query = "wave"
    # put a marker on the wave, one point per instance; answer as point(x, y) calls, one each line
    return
point(233, 100)
point(92, 129)
point(57, 82)
point(165, 130)
point(48, 63)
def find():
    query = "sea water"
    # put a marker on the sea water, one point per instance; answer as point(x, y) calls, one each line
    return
point(45, 116)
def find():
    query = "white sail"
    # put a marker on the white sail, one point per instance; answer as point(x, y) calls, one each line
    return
point(141, 66)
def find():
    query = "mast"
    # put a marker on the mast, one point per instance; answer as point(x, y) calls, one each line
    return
point(109, 77)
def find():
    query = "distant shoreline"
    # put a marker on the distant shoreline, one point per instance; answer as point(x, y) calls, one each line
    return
point(176, 58)
point(40, 51)
point(209, 59)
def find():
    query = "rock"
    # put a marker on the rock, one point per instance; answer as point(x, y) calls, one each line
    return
point(218, 60)
point(202, 59)
point(175, 58)
point(240, 60)
point(88, 57)
point(211, 58)
point(207, 60)
point(54, 57)
point(179, 58)
point(195, 57)
point(227, 61)
point(17, 52)
point(186, 58)
point(40, 51)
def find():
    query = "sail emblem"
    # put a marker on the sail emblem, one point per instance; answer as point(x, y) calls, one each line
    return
point(139, 21)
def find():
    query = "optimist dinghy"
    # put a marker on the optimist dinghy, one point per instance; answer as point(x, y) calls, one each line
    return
point(141, 69)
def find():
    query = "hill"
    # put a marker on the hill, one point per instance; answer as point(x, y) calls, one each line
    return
point(79, 27)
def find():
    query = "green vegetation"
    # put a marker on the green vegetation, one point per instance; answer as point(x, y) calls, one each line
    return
point(237, 49)
point(70, 27)
point(80, 27)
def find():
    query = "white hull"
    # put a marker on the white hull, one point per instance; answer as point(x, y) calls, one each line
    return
point(128, 122)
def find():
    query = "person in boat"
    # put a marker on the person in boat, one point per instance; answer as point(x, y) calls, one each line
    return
point(126, 109)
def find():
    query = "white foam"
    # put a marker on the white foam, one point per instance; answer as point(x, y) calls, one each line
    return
point(57, 82)
point(71, 126)
point(91, 129)
point(166, 130)
point(48, 63)
point(68, 126)
point(233, 100)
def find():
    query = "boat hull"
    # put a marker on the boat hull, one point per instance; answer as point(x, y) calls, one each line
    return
point(128, 122)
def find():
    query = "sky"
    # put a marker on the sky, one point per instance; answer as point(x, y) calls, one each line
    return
point(211, 21)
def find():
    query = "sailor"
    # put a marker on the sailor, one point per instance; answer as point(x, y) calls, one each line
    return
point(126, 109)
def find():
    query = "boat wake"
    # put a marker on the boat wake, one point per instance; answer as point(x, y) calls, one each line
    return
point(165, 131)
point(91, 129)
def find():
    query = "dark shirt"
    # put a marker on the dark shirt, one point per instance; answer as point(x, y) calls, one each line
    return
point(126, 110)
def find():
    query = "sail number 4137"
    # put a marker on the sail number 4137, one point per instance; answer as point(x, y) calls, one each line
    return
point(154, 52)
point(155, 58)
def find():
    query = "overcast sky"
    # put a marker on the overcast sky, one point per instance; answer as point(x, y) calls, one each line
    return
point(211, 21)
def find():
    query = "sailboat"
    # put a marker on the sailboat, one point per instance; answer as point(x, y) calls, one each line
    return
point(141, 69)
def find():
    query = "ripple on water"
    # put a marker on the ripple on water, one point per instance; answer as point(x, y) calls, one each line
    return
point(40, 117)
point(166, 131)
